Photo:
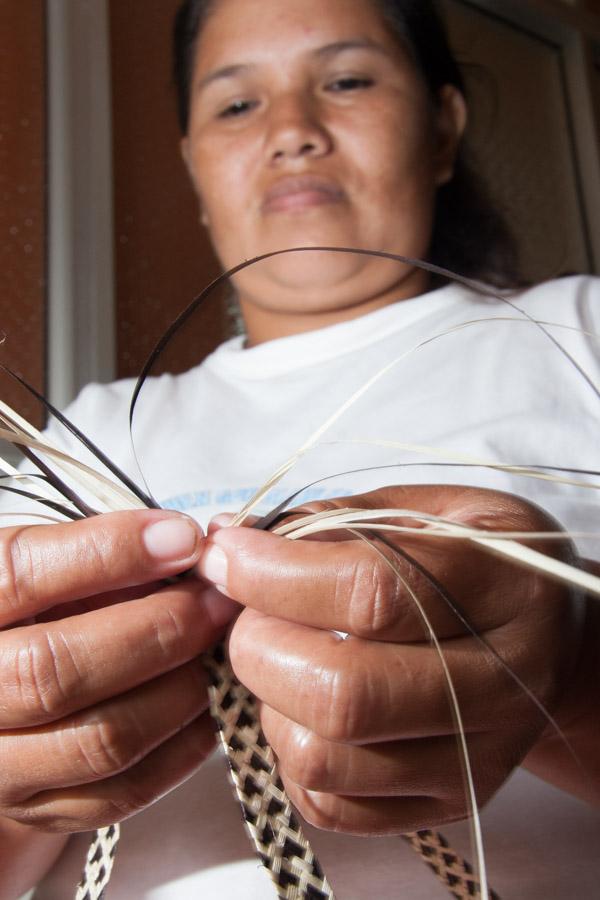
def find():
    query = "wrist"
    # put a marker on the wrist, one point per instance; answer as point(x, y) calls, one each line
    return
point(567, 754)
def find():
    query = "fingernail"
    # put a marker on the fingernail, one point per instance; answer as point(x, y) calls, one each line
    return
point(219, 608)
point(213, 566)
point(171, 539)
point(221, 520)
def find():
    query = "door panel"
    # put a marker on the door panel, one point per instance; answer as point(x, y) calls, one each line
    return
point(522, 136)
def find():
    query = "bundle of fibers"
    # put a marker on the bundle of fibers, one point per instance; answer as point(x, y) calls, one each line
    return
point(271, 821)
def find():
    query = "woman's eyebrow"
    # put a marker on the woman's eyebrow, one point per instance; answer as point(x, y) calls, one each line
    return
point(353, 44)
point(328, 50)
point(224, 72)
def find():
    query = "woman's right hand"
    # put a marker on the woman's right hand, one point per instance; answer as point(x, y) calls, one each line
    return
point(103, 705)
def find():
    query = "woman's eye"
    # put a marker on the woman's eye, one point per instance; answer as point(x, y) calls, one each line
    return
point(350, 83)
point(237, 108)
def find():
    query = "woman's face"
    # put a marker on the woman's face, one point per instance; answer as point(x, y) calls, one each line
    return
point(310, 125)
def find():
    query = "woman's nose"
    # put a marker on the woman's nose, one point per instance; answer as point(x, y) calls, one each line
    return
point(296, 131)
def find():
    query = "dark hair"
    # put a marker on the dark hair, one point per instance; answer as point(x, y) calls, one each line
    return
point(470, 236)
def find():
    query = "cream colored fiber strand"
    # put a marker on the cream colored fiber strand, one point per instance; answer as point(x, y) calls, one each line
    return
point(107, 491)
point(454, 457)
point(501, 543)
point(524, 319)
point(99, 861)
point(464, 753)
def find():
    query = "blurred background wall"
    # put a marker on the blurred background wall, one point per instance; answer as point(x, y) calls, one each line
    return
point(23, 194)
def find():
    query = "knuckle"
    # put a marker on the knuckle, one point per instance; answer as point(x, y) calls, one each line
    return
point(169, 633)
point(95, 548)
point(342, 699)
point(45, 677)
point(307, 760)
point(105, 748)
point(17, 575)
point(323, 811)
point(373, 598)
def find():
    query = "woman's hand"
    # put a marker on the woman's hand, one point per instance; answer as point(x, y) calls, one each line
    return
point(103, 706)
point(364, 728)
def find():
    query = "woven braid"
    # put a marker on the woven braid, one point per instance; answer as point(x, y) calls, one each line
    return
point(98, 864)
point(452, 870)
point(270, 819)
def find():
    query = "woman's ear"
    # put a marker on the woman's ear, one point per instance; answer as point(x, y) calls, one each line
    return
point(451, 121)
point(184, 149)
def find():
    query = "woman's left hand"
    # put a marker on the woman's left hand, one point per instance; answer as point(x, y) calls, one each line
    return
point(363, 727)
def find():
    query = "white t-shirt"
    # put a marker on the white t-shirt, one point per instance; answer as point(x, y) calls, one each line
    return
point(473, 380)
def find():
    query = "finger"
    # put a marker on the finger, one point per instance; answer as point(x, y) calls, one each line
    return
point(480, 507)
point(52, 670)
point(44, 565)
point(102, 741)
point(430, 767)
point(96, 805)
point(224, 520)
point(355, 691)
point(98, 601)
point(348, 586)
point(370, 816)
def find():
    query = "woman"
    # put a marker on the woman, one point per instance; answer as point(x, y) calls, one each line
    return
point(309, 124)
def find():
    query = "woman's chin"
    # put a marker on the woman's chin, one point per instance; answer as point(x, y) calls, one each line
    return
point(302, 270)
point(319, 280)
point(315, 269)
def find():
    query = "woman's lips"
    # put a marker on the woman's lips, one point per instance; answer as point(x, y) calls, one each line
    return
point(299, 192)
